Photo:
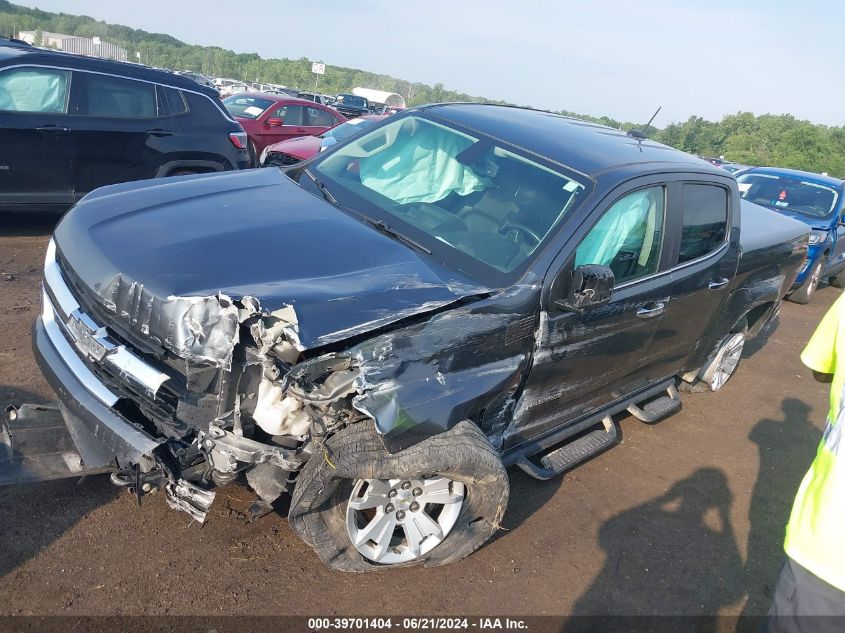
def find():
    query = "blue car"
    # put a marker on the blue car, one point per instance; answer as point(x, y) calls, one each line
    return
point(816, 200)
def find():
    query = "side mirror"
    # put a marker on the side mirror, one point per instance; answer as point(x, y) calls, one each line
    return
point(591, 286)
point(275, 121)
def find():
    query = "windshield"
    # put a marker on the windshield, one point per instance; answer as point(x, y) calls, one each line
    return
point(787, 193)
point(247, 107)
point(460, 190)
point(345, 130)
point(357, 102)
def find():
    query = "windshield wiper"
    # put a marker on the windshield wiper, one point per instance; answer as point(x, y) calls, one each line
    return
point(382, 227)
point(327, 195)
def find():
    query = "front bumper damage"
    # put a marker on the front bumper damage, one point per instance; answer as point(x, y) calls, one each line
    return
point(142, 395)
point(93, 427)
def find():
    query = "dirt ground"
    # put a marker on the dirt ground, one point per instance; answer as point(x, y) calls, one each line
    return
point(685, 516)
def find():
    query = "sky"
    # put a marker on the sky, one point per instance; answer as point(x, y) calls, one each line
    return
point(620, 58)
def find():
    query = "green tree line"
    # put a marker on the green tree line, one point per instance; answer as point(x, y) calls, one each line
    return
point(768, 139)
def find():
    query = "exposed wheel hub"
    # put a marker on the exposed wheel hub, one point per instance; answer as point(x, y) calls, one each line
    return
point(397, 520)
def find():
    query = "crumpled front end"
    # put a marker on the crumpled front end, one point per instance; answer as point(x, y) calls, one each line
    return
point(148, 388)
point(183, 394)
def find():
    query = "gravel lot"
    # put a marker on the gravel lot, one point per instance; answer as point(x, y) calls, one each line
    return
point(685, 516)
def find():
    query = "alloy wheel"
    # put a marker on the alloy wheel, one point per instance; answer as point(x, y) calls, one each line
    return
point(391, 521)
point(726, 360)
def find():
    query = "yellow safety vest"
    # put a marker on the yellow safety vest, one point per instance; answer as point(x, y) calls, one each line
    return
point(814, 536)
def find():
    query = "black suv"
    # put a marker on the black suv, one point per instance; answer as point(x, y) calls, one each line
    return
point(70, 124)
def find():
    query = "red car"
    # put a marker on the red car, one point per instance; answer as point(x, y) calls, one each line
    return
point(268, 119)
point(295, 150)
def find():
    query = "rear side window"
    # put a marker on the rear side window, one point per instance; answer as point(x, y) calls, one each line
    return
point(116, 97)
point(705, 221)
point(175, 101)
point(319, 118)
point(34, 90)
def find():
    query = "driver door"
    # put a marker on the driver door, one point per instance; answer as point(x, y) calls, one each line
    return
point(586, 359)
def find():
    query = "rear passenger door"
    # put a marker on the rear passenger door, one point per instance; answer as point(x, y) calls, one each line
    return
point(36, 148)
point(123, 131)
point(703, 258)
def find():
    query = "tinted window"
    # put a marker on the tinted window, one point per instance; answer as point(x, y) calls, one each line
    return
point(175, 102)
point(34, 90)
point(629, 236)
point(115, 97)
point(319, 118)
point(705, 221)
point(292, 114)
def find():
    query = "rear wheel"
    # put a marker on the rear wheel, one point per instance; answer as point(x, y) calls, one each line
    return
point(362, 508)
point(803, 294)
point(720, 366)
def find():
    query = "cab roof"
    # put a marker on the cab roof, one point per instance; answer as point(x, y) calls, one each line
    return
point(585, 147)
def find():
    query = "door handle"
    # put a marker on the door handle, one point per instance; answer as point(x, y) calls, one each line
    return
point(54, 129)
point(718, 283)
point(301, 131)
point(651, 310)
point(159, 132)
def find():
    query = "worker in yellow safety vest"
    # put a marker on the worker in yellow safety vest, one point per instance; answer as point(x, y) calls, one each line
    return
point(810, 594)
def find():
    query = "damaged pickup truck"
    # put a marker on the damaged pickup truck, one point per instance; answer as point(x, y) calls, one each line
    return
point(381, 331)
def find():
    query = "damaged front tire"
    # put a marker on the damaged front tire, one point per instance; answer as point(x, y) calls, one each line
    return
point(362, 508)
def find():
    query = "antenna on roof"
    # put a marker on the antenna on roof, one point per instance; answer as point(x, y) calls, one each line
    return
point(641, 134)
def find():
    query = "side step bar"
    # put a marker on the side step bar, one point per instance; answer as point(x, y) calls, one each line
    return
point(572, 453)
point(658, 408)
point(590, 438)
point(35, 445)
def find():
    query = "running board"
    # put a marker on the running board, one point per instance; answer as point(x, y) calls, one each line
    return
point(35, 445)
point(572, 453)
point(658, 408)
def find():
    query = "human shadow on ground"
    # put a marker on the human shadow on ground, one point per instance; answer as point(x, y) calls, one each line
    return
point(786, 448)
point(676, 554)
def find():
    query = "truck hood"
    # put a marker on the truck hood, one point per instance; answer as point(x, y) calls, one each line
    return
point(152, 251)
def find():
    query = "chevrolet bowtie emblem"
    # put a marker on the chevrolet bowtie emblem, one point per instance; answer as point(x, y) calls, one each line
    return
point(88, 338)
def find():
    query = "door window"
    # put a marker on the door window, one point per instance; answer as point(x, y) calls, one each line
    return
point(292, 114)
point(115, 97)
point(34, 90)
point(319, 118)
point(705, 221)
point(629, 236)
